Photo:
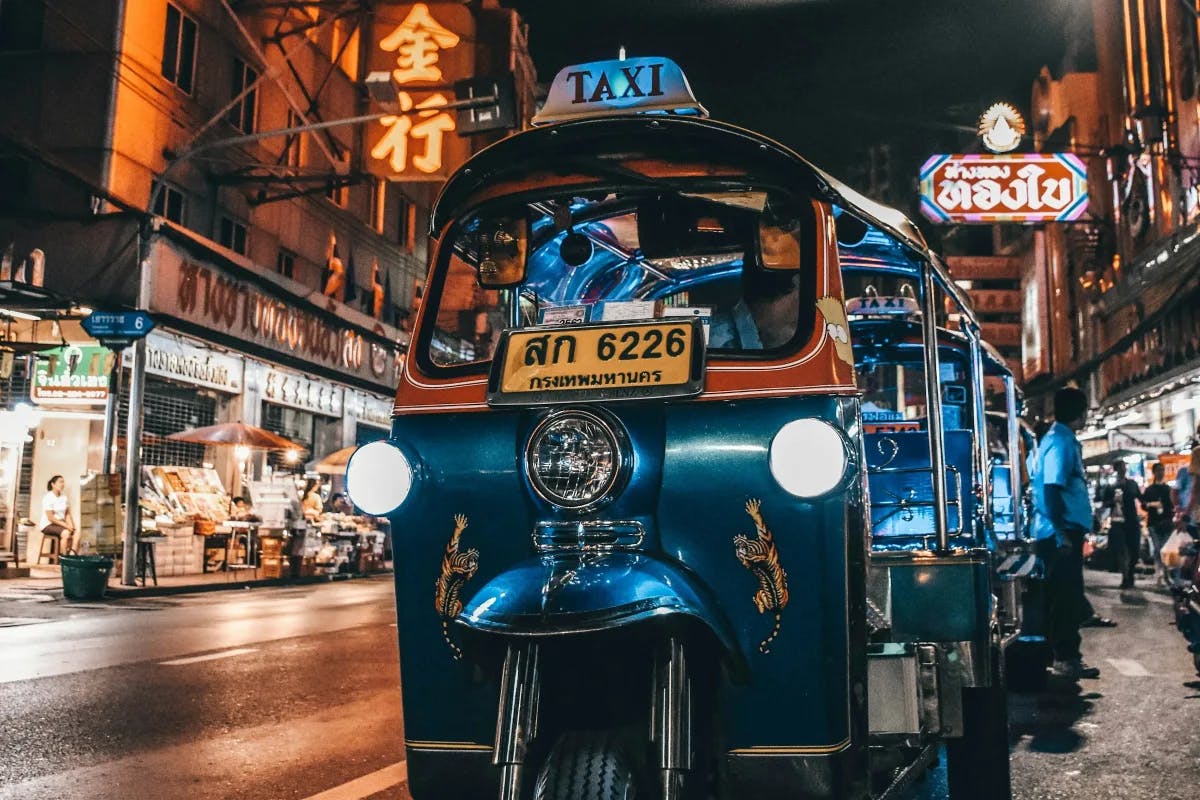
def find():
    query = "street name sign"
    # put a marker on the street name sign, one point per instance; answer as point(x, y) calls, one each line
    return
point(117, 329)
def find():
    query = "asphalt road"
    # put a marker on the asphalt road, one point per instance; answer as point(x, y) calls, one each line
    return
point(292, 693)
point(275, 693)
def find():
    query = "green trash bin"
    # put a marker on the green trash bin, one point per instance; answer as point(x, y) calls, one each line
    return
point(85, 577)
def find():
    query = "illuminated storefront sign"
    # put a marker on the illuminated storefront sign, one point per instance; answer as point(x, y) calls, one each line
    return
point(178, 359)
point(370, 409)
point(72, 376)
point(300, 392)
point(1001, 127)
point(986, 188)
point(208, 298)
point(424, 53)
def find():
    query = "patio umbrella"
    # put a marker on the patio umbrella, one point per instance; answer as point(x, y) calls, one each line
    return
point(335, 463)
point(234, 434)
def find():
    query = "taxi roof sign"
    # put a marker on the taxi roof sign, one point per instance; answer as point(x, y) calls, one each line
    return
point(615, 88)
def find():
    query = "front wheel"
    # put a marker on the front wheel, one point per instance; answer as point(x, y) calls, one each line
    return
point(977, 765)
point(586, 765)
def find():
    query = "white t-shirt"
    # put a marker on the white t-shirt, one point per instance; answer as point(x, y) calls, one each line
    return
point(53, 502)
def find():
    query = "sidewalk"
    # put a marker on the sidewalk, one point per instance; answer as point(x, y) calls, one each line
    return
point(47, 579)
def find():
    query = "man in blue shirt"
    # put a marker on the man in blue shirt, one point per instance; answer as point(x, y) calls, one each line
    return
point(1062, 514)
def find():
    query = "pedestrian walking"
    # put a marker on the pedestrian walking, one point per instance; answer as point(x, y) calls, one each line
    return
point(1187, 499)
point(1124, 526)
point(56, 515)
point(1062, 514)
point(1160, 518)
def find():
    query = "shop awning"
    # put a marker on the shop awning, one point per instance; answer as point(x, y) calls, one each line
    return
point(236, 434)
point(335, 463)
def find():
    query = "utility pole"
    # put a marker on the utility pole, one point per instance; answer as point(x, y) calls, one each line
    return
point(133, 425)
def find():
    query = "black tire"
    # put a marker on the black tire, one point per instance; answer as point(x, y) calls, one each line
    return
point(977, 765)
point(1196, 662)
point(586, 765)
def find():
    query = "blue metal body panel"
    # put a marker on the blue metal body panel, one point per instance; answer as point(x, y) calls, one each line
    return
point(695, 466)
point(900, 473)
point(580, 592)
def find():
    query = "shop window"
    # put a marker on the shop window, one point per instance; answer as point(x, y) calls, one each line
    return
point(285, 264)
point(179, 48)
point(170, 204)
point(365, 434)
point(242, 115)
point(406, 224)
point(344, 47)
point(378, 204)
point(232, 235)
point(291, 424)
point(294, 147)
point(169, 408)
point(20, 25)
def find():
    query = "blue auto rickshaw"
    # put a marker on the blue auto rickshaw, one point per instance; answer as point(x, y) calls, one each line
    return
point(627, 478)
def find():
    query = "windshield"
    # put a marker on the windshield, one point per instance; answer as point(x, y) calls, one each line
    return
point(599, 256)
point(894, 393)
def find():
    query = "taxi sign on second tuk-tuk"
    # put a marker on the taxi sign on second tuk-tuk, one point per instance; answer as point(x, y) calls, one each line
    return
point(612, 88)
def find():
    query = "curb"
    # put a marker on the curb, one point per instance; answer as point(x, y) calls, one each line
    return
point(126, 592)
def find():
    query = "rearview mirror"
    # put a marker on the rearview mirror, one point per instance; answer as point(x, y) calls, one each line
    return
point(671, 225)
point(503, 245)
point(779, 233)
point(778, 247)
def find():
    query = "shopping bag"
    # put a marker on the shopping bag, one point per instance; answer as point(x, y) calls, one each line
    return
point(1171, 548)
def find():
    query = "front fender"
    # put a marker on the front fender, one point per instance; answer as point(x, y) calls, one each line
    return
point(582, 592)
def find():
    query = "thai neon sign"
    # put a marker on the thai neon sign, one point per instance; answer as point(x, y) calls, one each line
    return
point(1021, 187)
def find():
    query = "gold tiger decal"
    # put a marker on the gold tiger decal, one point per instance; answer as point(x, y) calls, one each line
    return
point(760, 556)
point(457, 569)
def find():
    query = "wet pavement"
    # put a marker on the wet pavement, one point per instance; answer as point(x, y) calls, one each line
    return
point(275, 693)
point(292, 693)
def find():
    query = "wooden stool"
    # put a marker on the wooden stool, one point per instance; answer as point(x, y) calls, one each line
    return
point(51, 554)
point(145, 557)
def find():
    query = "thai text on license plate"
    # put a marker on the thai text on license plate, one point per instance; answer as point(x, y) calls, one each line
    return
point(650, 355)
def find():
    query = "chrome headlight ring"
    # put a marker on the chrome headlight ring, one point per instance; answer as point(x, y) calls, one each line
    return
point(577, 459)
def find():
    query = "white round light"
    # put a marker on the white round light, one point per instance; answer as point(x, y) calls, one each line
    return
point(378, 478)
point(808, 457)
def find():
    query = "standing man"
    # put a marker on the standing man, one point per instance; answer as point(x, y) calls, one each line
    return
point(1124, 526)
point(1160, 517)
point(1062, 514)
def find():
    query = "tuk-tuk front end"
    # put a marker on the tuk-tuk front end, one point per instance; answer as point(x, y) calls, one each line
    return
point(624, 477)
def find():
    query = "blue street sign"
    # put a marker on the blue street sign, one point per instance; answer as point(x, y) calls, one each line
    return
point(126, 325)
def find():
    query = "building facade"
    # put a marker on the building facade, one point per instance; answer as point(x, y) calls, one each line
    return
point(141, 170)
point(1122, 288)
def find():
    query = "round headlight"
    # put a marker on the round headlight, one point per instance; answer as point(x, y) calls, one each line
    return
point(808, 457)
point(378, 478)
point(573, 459)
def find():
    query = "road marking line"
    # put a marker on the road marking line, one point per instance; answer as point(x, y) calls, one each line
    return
point(367, 785)
point(237, 651)
point(1127, 666)
point(10, 622)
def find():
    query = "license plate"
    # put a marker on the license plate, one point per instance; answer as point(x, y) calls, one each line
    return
point(609, 362)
